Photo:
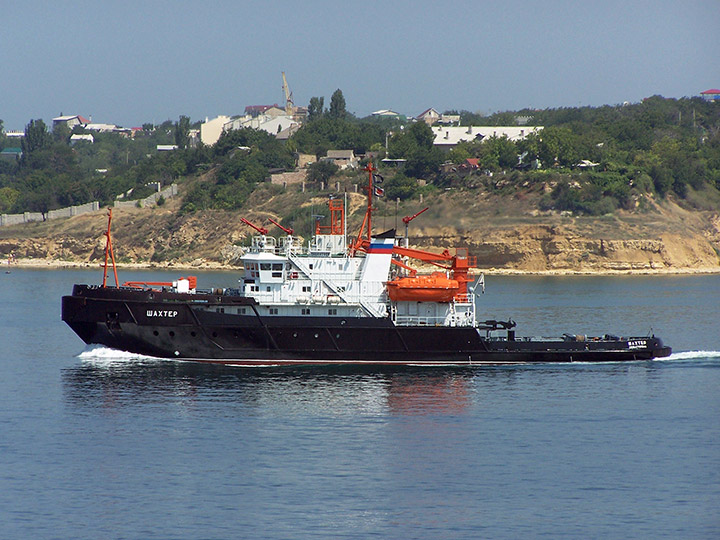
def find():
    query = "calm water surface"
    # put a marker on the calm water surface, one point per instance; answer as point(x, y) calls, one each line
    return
point(98, 444)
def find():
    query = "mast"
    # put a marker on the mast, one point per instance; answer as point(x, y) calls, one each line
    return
point(365, 232)
point(109, 249)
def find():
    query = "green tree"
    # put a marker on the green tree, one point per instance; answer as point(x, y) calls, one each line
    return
point(416, 145)
point(419, 136)
point(321, 171)
point(61, 132)
point(326, 133)
point(337, 105)
point(182, 132)
point(500, 152)
point(558, 145)
point(36, 137)
point(400, 187)
point(422, 135)
point(8, 198)
point(3, 138)
point(423, 163)
point(462, 151)
point(316, 108)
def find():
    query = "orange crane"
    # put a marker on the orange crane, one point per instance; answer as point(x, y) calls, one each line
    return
point(287, 231)
point(407, 219)
point(437, 287)
point(261, 230)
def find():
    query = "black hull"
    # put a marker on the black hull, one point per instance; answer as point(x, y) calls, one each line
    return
point(198, 328)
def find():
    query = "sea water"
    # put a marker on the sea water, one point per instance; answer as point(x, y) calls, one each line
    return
point(100, 444)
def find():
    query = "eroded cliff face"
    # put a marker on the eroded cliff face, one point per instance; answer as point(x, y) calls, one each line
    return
point(672, 240)
point(552, 248)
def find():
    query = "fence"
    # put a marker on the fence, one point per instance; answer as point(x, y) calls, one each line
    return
point(166, 193)
point(28, 217)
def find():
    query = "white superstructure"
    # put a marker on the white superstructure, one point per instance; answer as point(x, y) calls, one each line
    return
point(324, 279)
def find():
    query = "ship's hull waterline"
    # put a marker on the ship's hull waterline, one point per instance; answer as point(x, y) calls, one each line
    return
point(202, 328)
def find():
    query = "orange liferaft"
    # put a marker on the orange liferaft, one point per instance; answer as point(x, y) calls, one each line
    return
point(436, 287)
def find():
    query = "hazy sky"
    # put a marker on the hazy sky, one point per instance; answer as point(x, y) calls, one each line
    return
point(132, 62)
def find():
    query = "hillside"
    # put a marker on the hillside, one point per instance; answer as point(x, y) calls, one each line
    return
point(507, 234)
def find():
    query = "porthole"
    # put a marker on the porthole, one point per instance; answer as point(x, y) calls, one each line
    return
point(193, 334)
point(317, 336)
point(294, 334)
point(172, 334)
point(214, 334)
point(156, 333)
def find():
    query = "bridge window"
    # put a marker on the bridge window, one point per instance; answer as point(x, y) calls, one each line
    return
point(306, 311)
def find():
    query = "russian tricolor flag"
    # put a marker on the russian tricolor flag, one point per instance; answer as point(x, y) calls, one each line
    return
point(381, 245)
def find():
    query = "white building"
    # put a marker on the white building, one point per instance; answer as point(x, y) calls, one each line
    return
point(102, 128)
point(273, 124)
point(210, 130)
point(449, 136)
point(70, 121)
point(87, 137)
point(342, 158)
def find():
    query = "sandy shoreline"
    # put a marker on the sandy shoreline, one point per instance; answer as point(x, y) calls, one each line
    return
point(206, 265)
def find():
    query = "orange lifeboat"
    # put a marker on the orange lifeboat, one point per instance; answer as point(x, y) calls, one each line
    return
point(436, 287)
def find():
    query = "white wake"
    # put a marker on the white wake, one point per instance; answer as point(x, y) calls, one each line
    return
point(99, 354)
point(693, 355)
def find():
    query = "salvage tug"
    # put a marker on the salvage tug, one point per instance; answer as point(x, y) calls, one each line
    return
point(329, 302)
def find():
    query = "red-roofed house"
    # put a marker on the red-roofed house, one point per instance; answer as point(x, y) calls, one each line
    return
point(70, 121)
point(711, 95)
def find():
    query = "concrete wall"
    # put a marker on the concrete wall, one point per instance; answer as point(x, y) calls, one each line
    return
point(168, 192)
point(286, 178)
point(27, 217)
point(74, 210)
